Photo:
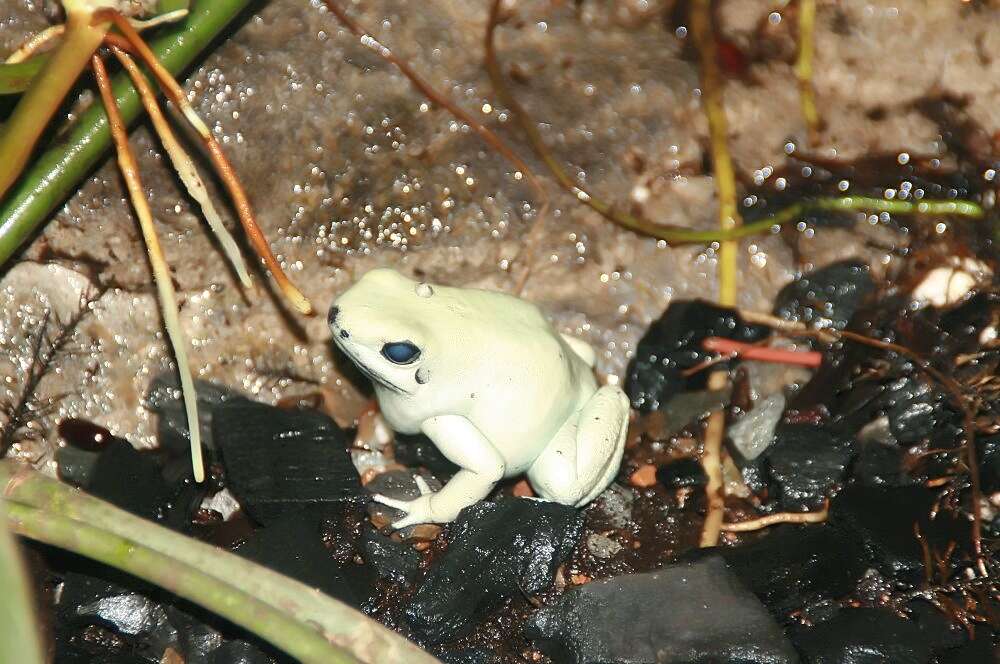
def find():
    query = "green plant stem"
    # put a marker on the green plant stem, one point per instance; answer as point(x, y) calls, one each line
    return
point(19, 636)
point(39, 103)
point(55, 174)
point(17, 77)
point(339, 623)
point(295, 638)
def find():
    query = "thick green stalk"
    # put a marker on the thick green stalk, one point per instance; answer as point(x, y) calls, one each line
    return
point(16, 78)
point(339, 623)
point(298, 639)
point(56, 173)
point(19, 640)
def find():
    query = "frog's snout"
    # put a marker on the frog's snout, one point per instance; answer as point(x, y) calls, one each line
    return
point(331, 316)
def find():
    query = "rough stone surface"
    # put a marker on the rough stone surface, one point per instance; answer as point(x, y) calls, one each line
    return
point(690, 612)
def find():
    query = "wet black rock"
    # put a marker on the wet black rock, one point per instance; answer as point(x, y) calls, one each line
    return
point(124, 620)
point(863, 636)
point(471, 656)
point(794, 566)
point(988, 449)
point(673, 343)
point(130, 479)
point(496, 551)
point(681, 474)
point(882, 520)
point(807, 463)
point(695, 612)
point(879, 464)
point(294, 545)
point(396, 561)
point(827, 297)
point(279, 461)
point(164, 399)
point(418, 450)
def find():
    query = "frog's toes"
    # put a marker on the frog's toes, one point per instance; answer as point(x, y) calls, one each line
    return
point(422, 485)
point(396, 503)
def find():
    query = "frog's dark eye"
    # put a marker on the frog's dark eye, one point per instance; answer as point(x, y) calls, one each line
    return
point(400, 352)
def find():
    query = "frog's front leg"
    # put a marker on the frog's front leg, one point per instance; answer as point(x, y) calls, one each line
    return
point(481, 468)
point(583, 458)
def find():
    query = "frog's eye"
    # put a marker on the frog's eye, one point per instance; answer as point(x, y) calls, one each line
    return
point(400, 352)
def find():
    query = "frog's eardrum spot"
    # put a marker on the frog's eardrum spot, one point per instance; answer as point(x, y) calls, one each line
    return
point(424, 290)
point(423, 375)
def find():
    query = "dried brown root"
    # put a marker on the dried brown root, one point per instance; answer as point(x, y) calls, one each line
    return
point(161, 273)
point(221, 163)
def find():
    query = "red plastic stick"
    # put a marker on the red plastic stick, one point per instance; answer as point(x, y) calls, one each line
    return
point(805, 358)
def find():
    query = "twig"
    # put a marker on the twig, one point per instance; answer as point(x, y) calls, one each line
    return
point(55, 173)
point(35, 42)
point(161, 273)
point(780, 517)
point(804, 68)
point(222, 165)
point(339, 623)
point(45, 351)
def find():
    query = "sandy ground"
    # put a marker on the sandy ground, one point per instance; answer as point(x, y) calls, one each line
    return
point(350, 169)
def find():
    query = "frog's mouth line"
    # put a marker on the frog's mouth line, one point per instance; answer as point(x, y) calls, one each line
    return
point(367, 371)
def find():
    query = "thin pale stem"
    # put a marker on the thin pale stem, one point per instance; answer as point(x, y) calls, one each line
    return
point(184, 166)
point(722, 163)
point(222, 165)
point(161, 273)
point(729, 219)
point(774, 519)
point(804, 68)
point(297, 639)
point(339, 623)
point(39, 103)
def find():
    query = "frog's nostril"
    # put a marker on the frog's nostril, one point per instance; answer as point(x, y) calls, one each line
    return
point(331, 317)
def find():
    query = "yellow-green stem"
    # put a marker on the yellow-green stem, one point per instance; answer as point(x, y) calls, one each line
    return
point(804, 68)
point(39, 103)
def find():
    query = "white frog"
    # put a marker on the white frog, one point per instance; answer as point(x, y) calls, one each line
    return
point(493, 385)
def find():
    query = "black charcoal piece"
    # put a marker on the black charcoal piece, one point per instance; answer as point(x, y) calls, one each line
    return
point(279, 461)
point(673, 343)
point(497, 550)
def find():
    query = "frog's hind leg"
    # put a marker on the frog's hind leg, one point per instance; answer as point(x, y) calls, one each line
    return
point(584, 457)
